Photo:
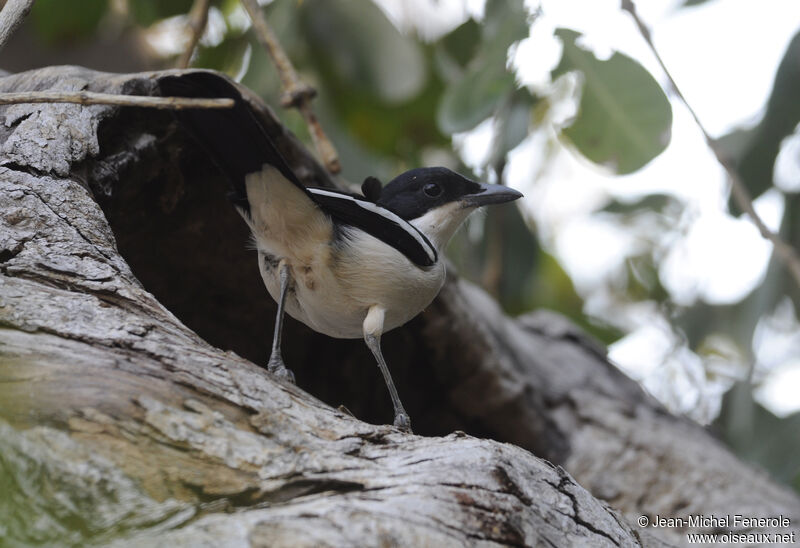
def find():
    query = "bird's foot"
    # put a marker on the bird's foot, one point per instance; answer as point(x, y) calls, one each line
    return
point(279, 369)
point(403, 422)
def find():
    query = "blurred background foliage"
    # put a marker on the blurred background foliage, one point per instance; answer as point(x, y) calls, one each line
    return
point(392, 97)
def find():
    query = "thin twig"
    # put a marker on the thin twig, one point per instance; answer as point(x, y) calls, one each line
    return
point(296, 93)
point(11, 16)
point(198, 18)
point(786, 253)
point(92, 98)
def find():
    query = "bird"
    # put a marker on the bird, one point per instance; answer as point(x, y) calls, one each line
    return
point(346, 265)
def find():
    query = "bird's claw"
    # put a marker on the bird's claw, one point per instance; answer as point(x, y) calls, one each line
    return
point(279, 369)
point(403, 422)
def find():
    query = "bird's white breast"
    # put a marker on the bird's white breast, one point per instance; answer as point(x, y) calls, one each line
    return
point(333, 292)
point(337, 273)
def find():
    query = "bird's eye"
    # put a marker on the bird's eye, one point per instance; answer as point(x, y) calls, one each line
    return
point(432, 190)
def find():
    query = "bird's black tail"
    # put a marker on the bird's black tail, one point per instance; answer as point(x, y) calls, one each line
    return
point(234, 138)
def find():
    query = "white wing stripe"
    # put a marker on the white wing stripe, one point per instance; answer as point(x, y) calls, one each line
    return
point(385, 213)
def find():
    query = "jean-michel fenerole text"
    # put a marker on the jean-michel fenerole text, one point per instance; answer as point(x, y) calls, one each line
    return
point(735, 521)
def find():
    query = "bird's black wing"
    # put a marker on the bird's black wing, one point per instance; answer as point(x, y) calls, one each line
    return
point(234, 138)
point(240, 146)
point(378, 222)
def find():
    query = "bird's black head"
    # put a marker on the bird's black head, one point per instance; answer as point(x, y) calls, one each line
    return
point(418, 191)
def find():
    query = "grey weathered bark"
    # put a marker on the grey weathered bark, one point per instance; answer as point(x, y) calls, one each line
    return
point(123, 420)
point(11, 15)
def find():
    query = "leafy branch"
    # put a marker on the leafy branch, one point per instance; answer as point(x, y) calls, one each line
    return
point(15, 11)
point(785, 252)
point(297, 94)
point(198, 18)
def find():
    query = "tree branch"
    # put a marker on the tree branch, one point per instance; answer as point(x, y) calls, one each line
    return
point(198, 18)
point(84, 341)
point(11, 16)
point(92, 98)
point(786, 253)
point(297, 93)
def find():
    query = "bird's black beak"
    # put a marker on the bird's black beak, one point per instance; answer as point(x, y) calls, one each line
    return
point(490, 194)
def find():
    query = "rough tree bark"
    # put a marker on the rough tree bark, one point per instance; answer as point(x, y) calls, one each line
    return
point(123, 275)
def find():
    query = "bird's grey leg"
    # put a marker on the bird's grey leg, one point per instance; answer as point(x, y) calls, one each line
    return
point(276, 365)
point(373, 329)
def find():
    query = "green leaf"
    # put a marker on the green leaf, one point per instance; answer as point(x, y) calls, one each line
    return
point(226, 57)
point(754, 152)
point(503, 259)
point(262, 76)
point(56, 20)
point(505, 22)
point(508, 235)
point(462, 43)
point(643, 279)
point(147, 12)
point(624, 119)
point(552, 289)
point(758, 436)
point(455, 50)
point(651, 202)
point(353, 96)
point(513, 121)
point(755, 160)
point(485, 83)
point(474, 97)
point(364, 48)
